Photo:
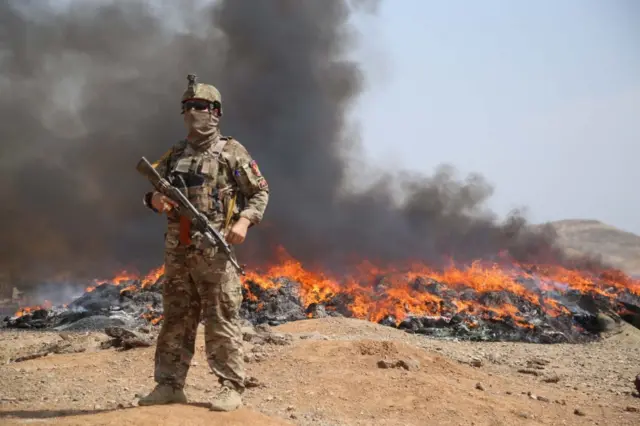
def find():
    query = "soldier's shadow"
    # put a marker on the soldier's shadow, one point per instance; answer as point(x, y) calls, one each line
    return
point(50, 414)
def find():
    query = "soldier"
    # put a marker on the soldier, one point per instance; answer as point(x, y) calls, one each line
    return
point(221, 180)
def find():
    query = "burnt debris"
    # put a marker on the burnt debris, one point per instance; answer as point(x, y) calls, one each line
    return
point(462, 313)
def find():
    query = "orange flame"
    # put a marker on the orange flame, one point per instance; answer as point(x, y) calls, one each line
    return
point(129, 288)
point(152, 277)
point(30, 309)
point(375, 292)
point(119, 278)
point(395, 294)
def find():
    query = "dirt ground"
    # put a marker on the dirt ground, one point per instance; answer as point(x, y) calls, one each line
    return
point(326, 372)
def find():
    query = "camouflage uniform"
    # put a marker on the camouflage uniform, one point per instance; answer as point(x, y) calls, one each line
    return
point(225, 183)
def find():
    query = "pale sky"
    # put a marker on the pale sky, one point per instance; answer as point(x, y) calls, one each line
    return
point(542, 98)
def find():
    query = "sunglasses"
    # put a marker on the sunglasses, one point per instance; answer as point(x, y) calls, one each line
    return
point(198, 105)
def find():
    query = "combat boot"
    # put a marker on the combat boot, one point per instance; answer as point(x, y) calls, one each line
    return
point(228, 399)
point(163, 394)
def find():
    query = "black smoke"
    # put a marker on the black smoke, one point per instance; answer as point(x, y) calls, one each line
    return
point(88, 89)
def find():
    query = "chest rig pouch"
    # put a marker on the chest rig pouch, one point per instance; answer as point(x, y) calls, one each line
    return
point(196, 174)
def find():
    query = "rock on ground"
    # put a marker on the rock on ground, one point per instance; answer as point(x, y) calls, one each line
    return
point(326, 372)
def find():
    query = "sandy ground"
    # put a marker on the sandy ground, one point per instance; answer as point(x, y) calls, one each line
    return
point(326, 372)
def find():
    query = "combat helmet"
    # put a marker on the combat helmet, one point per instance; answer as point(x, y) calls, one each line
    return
point(202, 91)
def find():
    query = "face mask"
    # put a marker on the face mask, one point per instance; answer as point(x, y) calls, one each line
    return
point(202, 127)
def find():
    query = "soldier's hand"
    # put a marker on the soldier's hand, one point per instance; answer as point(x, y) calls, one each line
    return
point(238, 231)
point(162, 203)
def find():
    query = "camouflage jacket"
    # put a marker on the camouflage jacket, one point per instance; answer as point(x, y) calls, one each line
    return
point(222, 182)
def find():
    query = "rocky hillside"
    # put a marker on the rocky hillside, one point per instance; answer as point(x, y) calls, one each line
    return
point(617, 247)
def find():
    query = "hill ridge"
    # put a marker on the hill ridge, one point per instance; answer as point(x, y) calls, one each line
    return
point(613, 245)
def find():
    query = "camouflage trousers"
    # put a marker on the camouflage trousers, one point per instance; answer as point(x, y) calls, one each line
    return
point(199, 286)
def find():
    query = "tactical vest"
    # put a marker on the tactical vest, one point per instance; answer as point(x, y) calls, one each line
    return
point(205, 178)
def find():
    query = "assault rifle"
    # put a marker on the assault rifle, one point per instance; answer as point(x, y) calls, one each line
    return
point(198, 220)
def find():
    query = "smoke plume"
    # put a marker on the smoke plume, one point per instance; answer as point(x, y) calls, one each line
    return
point(89, 88)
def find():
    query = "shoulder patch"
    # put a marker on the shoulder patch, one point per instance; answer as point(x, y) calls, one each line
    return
point(262, 183)
point(254, 166)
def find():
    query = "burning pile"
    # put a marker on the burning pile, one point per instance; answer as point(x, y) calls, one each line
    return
point(497, 302)
point(319, 82)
